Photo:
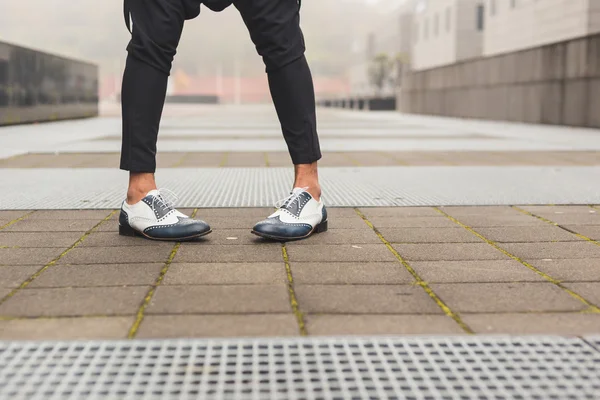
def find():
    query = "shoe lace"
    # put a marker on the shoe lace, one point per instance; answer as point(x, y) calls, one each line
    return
point(165, 200)
point(289, 200)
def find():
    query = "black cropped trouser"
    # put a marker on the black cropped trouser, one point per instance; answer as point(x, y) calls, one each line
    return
point(274, 27)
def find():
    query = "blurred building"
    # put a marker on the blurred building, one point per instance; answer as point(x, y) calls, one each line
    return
point(514, 25)
point(391, 35)
point(445, 32)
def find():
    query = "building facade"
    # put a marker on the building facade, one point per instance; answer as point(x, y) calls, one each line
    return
point(513, 25)
point(446, 32)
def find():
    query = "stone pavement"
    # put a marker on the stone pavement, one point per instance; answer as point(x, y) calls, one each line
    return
point(433, 268)
point(451, 270)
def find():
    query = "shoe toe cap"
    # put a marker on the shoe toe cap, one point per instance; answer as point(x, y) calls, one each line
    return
point(278, 229)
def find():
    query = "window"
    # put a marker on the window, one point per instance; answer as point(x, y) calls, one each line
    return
point(492, 7)
point(448, 19)
point(436, 24)
point(513, 3)
point(480, 17)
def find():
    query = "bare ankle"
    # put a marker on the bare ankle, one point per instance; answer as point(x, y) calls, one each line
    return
point(307, 176)
point(139, 186)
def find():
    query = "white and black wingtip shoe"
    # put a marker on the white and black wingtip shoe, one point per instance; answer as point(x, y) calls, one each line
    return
point(298, 217)
point(155, 218)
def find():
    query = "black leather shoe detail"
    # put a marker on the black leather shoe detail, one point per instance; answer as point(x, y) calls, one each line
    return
point(184, 230)
point(274, 228)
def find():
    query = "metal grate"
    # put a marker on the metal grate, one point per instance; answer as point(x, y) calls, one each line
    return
point(594, 341)
point(480, 368)
point(25, 189)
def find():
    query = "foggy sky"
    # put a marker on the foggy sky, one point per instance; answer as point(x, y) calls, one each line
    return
point(335, 32)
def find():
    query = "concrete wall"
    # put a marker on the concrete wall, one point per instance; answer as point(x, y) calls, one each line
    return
point(553, 84)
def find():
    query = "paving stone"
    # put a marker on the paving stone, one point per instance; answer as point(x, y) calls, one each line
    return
point(104, 328)
point(98, 275)
point(340, 253)
point(12, 215)
point(569, 270)
point(341, 212)
point(522, 234)
point(95, 215)
point(240, 299)
point(589, 290)
point(591, 231)
point(365, 299)
point(400, 212)
point(117, 255)
point(475, 271)
point(557, 210)
point(13, 276)
point(487, 221)
point(28, 256)
point(212, 326)
point(334, 325)
point(52, 225)
point(429, 235)
point(113, 239)
point(449, 252)
point(241, 222)
point(109, 226)
point(574, 219)
point(346, 273)
point(236, 237)
point(412, 222)
point(342, 236)
point(480, 210)
point(553, 250)
point(198, 253)
point(255, 212)
point(4, 292)
point(4, 222)
point(534, 324)
point(75, 302)
point(226, 274)
point(347, 223)
point(506, 297)
point(62, 240)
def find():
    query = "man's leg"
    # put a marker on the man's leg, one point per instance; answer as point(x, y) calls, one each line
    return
point(274, 27)
point(157, 27)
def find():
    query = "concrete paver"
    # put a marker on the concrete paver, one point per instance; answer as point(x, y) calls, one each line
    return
point(53, 225)
point(591, 231)
point(553, 250)
point(226, 274)
point(506, 297)
point(74, 302)
point(532, 234)
point(198, 253)
point(449, 252)
point(28, 256)
point(107, 328)
point(212, 326)
point(222, 299)
point(98, 275)
point(534, 324)
point(350, 273)
point(341, 253)
point(13, 276)
point(569, 270)
point(589, 290)
point(335, 325)
point(482, 271)
point(365, 299)
point(117, 255)
point(39, 239)
point(429, 235)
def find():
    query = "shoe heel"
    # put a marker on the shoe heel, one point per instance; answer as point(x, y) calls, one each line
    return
point(322, 227)
point(126, 231)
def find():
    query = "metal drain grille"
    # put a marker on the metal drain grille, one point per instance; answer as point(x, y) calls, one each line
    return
point(25, 189)
point(377, 368)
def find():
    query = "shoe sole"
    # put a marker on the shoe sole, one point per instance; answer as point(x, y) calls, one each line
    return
point(128, 231)
point(322, 227)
